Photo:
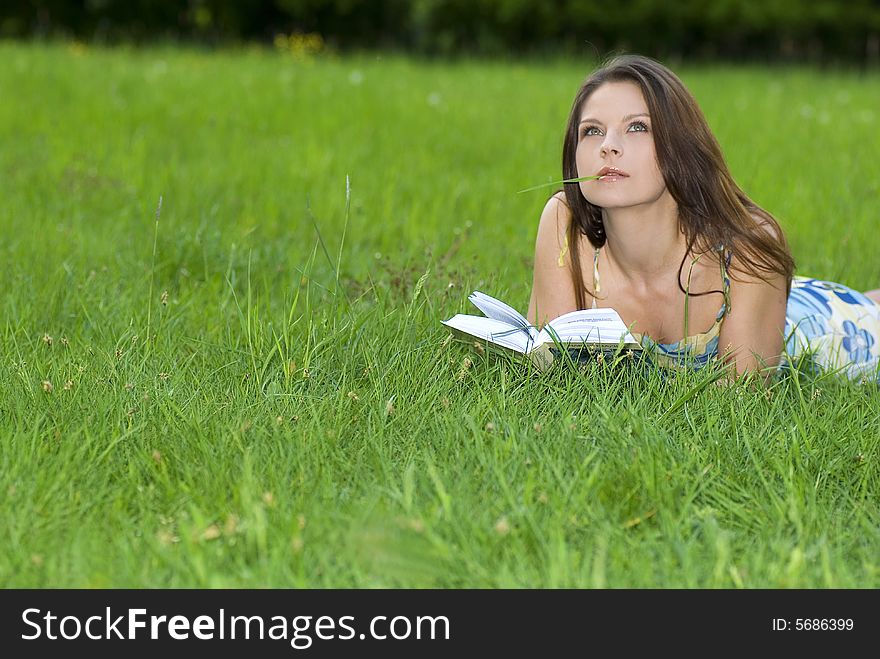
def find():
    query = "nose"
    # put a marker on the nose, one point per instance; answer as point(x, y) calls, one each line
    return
point(610, 146)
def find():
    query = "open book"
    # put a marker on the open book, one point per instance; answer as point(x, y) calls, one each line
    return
point(506, 329)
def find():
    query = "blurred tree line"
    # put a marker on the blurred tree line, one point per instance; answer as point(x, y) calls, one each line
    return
point(818, 30)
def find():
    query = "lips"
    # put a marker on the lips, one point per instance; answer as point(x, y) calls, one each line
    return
point(611, 173)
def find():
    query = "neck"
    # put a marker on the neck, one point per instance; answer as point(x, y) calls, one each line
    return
point(644, 241)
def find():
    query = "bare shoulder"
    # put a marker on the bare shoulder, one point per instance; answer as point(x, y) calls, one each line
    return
point(552, 286)
point(552, 238)
point(556, 213)
point(552, 242)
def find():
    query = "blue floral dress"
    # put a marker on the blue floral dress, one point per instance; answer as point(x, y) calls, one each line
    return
point(828, 327)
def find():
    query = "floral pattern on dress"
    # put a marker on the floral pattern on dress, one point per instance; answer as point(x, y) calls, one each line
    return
point(857, 342)
point(833, 326)
point(808, 312)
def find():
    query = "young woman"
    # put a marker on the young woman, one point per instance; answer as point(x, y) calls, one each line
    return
point(666, 197)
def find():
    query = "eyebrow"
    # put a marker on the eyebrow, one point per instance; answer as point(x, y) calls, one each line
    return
point(626, 118)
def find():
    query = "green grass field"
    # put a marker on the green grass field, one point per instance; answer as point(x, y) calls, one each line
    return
point(267, 399)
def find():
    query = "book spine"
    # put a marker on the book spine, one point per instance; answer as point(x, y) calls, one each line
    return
point(541, 356)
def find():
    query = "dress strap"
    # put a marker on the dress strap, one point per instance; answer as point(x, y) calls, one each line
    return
point(561, 260)
point(725, 264)
point(596, 286)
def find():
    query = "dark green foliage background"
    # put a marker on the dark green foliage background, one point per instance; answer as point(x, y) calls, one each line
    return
point(733, 29)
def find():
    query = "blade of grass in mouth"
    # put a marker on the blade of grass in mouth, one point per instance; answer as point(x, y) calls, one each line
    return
point(567, 180)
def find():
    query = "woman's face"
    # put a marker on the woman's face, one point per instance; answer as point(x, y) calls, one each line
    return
point(615, 136)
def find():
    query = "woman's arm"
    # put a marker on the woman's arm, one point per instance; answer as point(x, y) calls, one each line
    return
point(552, 289)
point(751, 336)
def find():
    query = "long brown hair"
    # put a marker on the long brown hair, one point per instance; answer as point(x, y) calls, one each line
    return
point(712, 209)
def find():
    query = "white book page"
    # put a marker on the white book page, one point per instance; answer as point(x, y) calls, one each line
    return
point(588, 316)
point(494, 308)
point(600, 326)
point(492, 330)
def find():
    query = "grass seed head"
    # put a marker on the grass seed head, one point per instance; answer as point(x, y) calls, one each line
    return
point(166, 538)
point(462, 372)
point(210, 533)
